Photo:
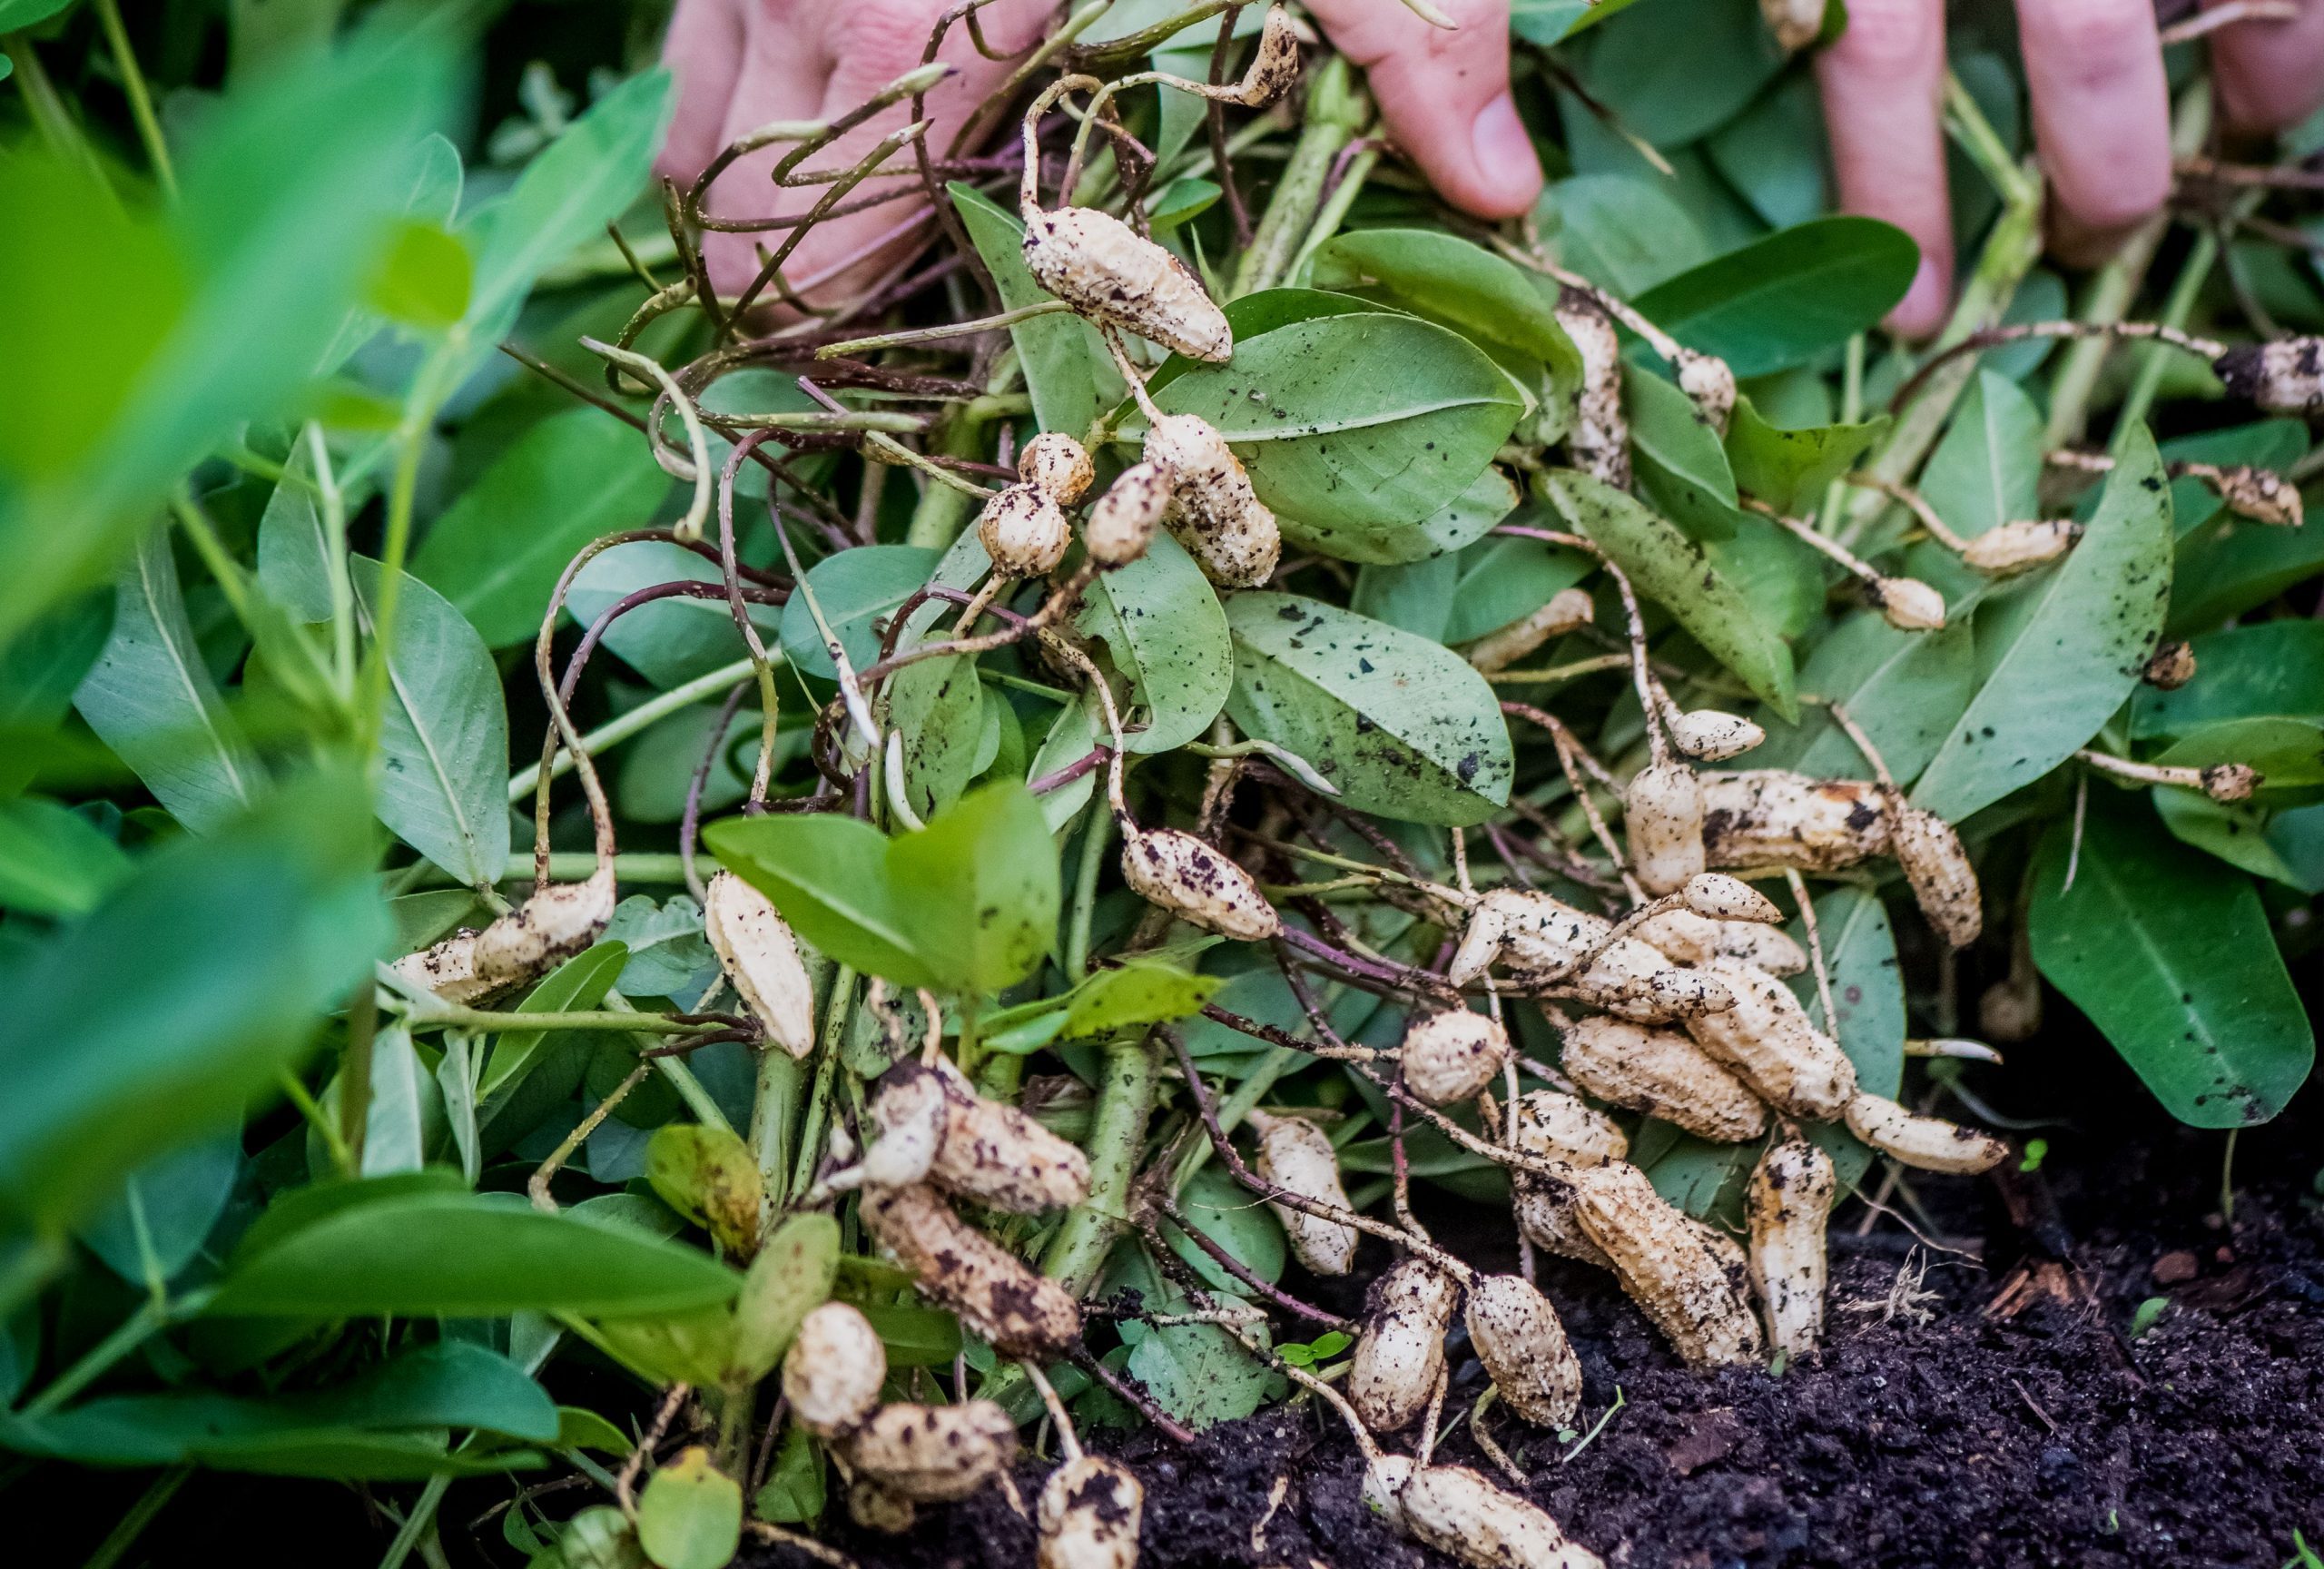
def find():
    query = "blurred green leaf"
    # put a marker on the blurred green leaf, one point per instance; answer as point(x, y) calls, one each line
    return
point(792, 1494)
point(165, 1210)
point(1235, 1217)
point(791, 1278)
point(707, 1175)
point(1674, 80)
point(424, 281)
point(53, 860)
point(914, 1336)
point(39, 671)
point(690, 1515)
point(2172, 956)
point(1622, 231)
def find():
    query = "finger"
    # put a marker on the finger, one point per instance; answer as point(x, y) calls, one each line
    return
point(779, 76)
point(1883, 84)
point(2101, 110)
point(705, 52)
point(2271, 74)
point(1444, 94)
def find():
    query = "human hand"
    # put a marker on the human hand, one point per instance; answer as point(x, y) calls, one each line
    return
point(1443, 94)
point(2102, 117)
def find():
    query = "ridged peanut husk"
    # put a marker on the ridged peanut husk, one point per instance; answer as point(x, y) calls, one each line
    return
point(909, 1111)
point(449, 969)
point(1691, 939)
point(1121, 522)
point(1937, 866)
point(2009, 549)
point(1460, 1513)
point(1663, 817)
point(1059, 465)
point(995, 1293)
point(1558, 1127)
point(1214, 512)
point(1182, 875)
point(1789, 1201)
point(1023, 530)
point(1712, 736)
point(760, 955)
point(1769, 1042)
point(1537, 939)
point(1929, 1143)
point(1400, 1353)
point(1108, 274)
point(1600, 442)
point(1449, 1056)
point(1665, 1266)
point(1664, 1074)
point(1001, 1158)
point(553, 925)
point(933, 1454)
point(1297, 1156)
point(2285, 377)
point(1518, 1337)
point(832, 1373)
point(1907, 604)
point(1088, 1515)
point(1761, 817)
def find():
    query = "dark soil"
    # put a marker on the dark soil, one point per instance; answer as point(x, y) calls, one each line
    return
point(1933, 1430)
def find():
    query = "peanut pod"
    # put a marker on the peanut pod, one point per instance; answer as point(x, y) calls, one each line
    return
point(1449, 1056)
point(1463, 1516)
point(1518, 1337)
point(1400, 1355)
point(1214, 512)
point(1180, 874)
point(1663, 820)
point(1000, 1157)
point(1540, 941)
point(1692, 939)
point(1666, 1267)
point(1663, 1074)
point(1763, 817)
point(1929, 1143)
point(1112, 275)
point(1768, 1042)
point(761, 958)
point(995, 1293)
point(1789, 1201)
point(1088, 1515)
point(832, 1373)
point(1297, 1156)
point(1937, 866)
point(933, 1454)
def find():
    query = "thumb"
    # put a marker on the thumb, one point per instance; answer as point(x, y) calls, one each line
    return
point(1444, 93)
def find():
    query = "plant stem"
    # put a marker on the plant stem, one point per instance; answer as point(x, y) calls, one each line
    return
point(836, 1009)
point(624, 1018)
point(49, 112)
point(1334, 210)
point(2154, 358)
point(942, 511)
point(296, 1093)
point(774, 1123)
point(355, 1076)
point(1335, 113)
point(141, 101)
point(1094, 840)
point(1116, 1137)
point(150, 1503)
point(149, 1320)
point(422, 1516)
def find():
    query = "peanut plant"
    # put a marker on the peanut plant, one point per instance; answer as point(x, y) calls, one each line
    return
point(1075, 772)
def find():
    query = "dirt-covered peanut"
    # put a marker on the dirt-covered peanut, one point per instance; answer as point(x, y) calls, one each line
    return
point(1663, 1074)
point(761, 958)
point(1663, 819)
point(1665, 1266)
point(878, 1508)
point(832, 1373)
point(1000, 1157)
point(2285, 377)
point(1088, 1515)
point(1692, 939)
point(1059, 465)
point(1713, 735)
point(1214, 512)
point(1400, 1353)
point(1543, 1208)
point(996, 1294)
point(1538, 938)
point(449, 969)
point(1275, 66)
point(2231, 781)
point(1181, 874)
point(1297, 1156)
point(1451, 1055)
point(556, 923)
point(1568, 610)
point(1113, 275)
point(2020, 546)
point(1600, 442)
point(1721, 897)
point(933, 1454)
point(1708, 383)
point(1789, 1201)
point(1795, 23)
point(1755, 818)
point(1384, 1480)
point(1937, 866)
point(1518, 1337)
point(1908, 604)
point(1767, 1040)
point(1929, 1143)
point(908, 1112)
point(2261, 495)
point(1121, 522)
point(1024, 530)
point(2171, 666)
point(1558, 1127)
point(1463, 1516)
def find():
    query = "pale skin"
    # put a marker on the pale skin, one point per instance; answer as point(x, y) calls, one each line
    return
point(2099, 107)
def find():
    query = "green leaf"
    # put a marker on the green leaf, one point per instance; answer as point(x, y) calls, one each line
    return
point(1779, 302)
point(1349, 459)
point(1623, 232)
point(791, 1278)
point(154, 1019)
point(1906, 690)
point(2271, 668)
point(1161, 622)
point(39, 671)
point(914, 1336)
point(1228, 1213)
point(150, 698)
point(1078, 728)
point(1673, 81)
point(495, 553)
point(2062, 650)
point(2228, 564)
point(1461, 285)
point(1505, 579)
point(425, 279)
point(406, 1116)
point(707, 1175)
point(1067, 371)
point(671, 641)
point(1681, 467)
point(1788, 469)
point(856, 590)
point(1774, 153)
point(1137, 991)
point(828, 875)
point(469, 1256)
point(1987, 471)
point(690, 1515)
point(2174, 959)
point(1198, 1372)
point(792, 1494)
point(53, 860)
point(577, 985)
point(2288, 753)
point(444, 736)
point(695, 1346)
point(1406, 728)
point(978, 889)
point(567, 196)
point(165, 1210)
point(1669, 568)
point(937, 708)
point(667, 948)
point(2240, 834)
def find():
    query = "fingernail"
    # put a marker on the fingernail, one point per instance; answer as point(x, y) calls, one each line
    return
point(1505, 162)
